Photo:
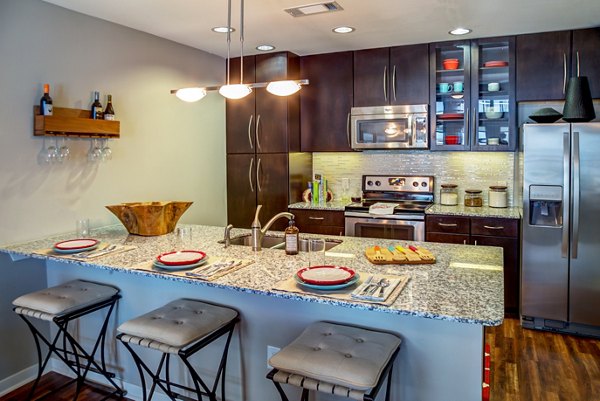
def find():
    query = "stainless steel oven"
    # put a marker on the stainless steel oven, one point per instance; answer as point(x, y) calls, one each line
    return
point(389, 127)
point(393, 207)
point(400, 227)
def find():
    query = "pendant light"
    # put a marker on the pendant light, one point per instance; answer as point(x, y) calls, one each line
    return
point(241, 90)
point(235, 91)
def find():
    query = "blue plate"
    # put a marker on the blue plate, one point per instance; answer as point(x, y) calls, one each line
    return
point(162, 266)
point(69, 251)
point(327, 287)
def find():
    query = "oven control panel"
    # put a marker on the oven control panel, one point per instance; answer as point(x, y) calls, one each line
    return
point(395, 183)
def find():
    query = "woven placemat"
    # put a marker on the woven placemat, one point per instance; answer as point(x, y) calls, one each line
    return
point(100, 249)
point(195, 273)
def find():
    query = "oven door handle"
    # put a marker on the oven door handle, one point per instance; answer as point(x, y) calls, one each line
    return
point(395, 217)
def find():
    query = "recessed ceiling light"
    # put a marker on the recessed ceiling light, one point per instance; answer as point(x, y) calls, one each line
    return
point(222, 29)
point(265, 48)
point(459, 31)
point(343, 29)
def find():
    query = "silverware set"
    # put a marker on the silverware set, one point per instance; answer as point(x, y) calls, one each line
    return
point(375, 286)
point(94, 252)
point(217, 267)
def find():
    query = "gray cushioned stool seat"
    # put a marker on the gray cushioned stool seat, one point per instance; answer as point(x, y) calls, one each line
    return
point(55, 301)
point(336, 355)
point(175, 325)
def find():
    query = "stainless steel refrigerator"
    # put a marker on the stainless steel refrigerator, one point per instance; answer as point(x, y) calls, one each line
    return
point(560, 271)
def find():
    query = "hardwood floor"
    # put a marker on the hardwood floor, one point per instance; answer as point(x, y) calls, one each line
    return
point(533, 365)
point(54, 380)
point(526, 365)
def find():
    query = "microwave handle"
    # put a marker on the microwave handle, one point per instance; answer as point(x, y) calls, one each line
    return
point(385, 95)
point(412, 121)
point(348, 130)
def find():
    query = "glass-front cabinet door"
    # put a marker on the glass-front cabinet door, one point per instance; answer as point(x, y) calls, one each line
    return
point(493, 106)
point(449, 93)
point(472, 94)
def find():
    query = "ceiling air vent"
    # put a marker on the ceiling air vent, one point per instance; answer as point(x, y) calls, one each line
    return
point(312, 9)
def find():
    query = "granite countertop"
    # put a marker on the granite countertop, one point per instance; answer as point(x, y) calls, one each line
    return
point(483, 211)
point(336, 205)
point(464, 285)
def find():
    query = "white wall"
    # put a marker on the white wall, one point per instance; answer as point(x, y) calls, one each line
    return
point(168, 149)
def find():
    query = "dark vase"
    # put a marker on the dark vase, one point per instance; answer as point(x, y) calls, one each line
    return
point(578, 104)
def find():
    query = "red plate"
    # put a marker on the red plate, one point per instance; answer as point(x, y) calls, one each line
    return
point(79, 243)
point(495, 63)
point(326, 275)
point(180, 258)
point(451, 116)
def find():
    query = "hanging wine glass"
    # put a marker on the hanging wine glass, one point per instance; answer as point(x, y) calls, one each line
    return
point(95, 152)
point(51, 153)
point(64, 153)
point(106, 151)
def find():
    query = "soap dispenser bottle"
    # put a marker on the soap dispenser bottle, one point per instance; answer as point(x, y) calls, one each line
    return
point(291, 239)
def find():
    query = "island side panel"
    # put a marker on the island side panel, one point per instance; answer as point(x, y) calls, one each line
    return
point(439, 359)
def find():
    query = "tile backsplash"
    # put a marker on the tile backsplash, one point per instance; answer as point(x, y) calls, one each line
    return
point(469, 170)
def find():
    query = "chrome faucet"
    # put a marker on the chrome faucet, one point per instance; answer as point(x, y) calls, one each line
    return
point(258, 233)
point(227, 235)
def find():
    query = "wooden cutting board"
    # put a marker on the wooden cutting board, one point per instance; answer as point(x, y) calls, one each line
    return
point(385, 257)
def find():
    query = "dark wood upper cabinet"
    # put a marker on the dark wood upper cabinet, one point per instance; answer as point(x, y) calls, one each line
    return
point(325, 102)
point(410, 74)
point(586, 55)
point(262, 122)
point(543, 64)
point(397, 75)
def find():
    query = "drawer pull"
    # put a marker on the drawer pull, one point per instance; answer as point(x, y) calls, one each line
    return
point(316, 218)
point(494, 228)
point(447, 224)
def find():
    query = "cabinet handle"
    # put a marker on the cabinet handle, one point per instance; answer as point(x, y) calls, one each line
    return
point(258, 174)
point(250, 131)
point(475, 242)
point(577, 63)
point(564, 73)
point(257, 133)
point(494, 227)
point(466, 125)
point(447, 224)
point(385, 83)
point(348, 130)
point(250, 174)
point(394, 82)
point(464, 242)
point(316, 218)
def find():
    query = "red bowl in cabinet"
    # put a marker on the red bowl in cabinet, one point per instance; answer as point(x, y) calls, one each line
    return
point(452, 139)
point(450, 64)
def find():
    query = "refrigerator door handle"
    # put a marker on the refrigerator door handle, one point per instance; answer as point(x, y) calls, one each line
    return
point(564, 249)
point(575, 195)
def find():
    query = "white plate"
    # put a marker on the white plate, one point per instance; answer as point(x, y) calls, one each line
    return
point(179, 267)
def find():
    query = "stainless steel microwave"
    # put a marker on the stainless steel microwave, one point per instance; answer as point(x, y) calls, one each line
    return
point(389, 127)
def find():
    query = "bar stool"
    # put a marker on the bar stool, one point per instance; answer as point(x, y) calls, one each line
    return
point(181, 327)
point(61, 305)
point(343, 360)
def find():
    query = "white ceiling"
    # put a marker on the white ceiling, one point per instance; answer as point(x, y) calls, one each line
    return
point(378, 23)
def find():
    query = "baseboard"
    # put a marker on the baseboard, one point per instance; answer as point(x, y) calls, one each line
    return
point(17, 380)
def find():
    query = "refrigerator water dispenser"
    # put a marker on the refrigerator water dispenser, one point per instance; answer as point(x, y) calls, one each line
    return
point(545, 205)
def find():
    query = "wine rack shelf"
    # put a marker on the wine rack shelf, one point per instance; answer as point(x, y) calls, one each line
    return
point(73, 123)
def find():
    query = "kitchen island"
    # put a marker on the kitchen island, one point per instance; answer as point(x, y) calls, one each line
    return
point(440, 314)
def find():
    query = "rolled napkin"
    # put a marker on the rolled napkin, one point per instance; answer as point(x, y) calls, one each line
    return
point(370, 289)
point(382, 208)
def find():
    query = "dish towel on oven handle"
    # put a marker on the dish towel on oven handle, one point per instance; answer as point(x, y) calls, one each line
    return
point(382, 208)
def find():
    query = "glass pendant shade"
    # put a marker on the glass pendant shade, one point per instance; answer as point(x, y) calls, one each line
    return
point(190, 94)
point(283, 88)
point(235, 91)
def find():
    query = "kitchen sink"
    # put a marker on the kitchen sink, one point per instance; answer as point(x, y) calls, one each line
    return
point(274, 242)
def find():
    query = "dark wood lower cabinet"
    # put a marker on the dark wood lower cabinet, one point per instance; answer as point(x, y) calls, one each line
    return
point(503, 233)
point(326, 222)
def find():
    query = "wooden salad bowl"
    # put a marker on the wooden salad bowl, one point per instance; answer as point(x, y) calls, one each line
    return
point(149, 218)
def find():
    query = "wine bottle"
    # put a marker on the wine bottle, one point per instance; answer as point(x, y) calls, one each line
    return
point(96, 112)
point(109, 112)
point(291, 239)
point(46, 102)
